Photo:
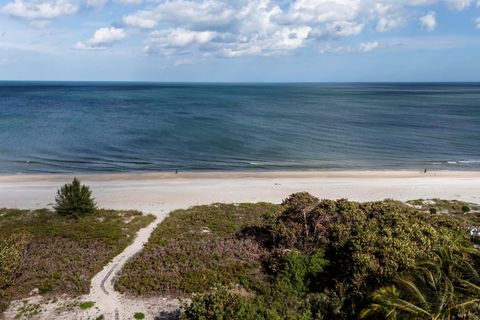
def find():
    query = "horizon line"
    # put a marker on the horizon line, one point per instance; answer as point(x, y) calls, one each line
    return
point(242, 82)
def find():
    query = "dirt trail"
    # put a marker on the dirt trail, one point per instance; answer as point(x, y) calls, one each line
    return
point(102, 289)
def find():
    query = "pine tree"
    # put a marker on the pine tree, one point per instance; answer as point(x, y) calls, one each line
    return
point(74, 199)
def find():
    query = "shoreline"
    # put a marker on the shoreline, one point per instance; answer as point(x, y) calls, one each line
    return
point(161, 192)
point(268, 174)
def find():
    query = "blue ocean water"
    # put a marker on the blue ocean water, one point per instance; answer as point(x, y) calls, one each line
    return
point(102, 127)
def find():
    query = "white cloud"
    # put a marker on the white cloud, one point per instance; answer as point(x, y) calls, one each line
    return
point(233, 28)
point(179, 38)
point(183, 13)
point(477, 23)
point(457, 5)
point(387, 24)
point(42, 10)
point(181, 41)
point(429, 21)
point(138, 21)
point(102, 38)
point(344, 28)
point(368, 46)
point(272, 27)
point(248, 27)
point(34, 10)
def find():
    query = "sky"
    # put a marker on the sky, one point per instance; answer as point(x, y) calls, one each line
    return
point(240, 40)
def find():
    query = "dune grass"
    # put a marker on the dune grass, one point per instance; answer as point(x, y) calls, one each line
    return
point(465, 212)
point(63, 254)
point(196, 248)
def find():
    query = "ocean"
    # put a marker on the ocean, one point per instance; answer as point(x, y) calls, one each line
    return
point(87, 127)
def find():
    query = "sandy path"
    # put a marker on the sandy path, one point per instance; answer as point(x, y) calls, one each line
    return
point(159, 193)
point(101, 289)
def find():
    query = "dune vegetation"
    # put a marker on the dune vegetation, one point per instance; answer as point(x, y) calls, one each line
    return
point(46, 252)
point(193, 249)
point(41, 250)
point(313, 259)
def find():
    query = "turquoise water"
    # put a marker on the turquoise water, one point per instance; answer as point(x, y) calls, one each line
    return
point(103, 127)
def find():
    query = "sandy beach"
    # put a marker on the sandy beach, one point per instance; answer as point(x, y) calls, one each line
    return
point(157, 192)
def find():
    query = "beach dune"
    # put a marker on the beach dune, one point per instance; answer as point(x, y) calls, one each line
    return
point(160, 193)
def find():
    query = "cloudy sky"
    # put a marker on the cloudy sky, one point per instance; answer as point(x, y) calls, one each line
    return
point(240, 40)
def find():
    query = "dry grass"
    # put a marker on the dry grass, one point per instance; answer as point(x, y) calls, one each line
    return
point(64, 254)
point(195, 249)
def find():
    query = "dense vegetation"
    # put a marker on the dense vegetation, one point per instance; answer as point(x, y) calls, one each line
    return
point(447, 286)
point(306, 259)
point(43, 250)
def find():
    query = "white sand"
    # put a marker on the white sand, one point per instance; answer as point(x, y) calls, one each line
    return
point(159, 193)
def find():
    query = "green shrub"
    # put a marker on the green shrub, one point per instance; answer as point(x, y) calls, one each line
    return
point(288, 298)
point(465, 209)
point(86, 305)
point(217, 305)
point(74, 199)
point(139, 315)
point(12, 255)
point(366, 244)
point(433, 210)
point(222, 304)
point(45, 287)
point(300, 272)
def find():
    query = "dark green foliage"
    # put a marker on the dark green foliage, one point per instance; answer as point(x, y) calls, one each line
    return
point(219, 305)
point(290, 297)
point(300, 273)
point(139, 315)
point(74, 199)
point(366, 243)
point(465, 209)
point(45, 287)
point(446, 286)
point(86, 305)
point(433, 210)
